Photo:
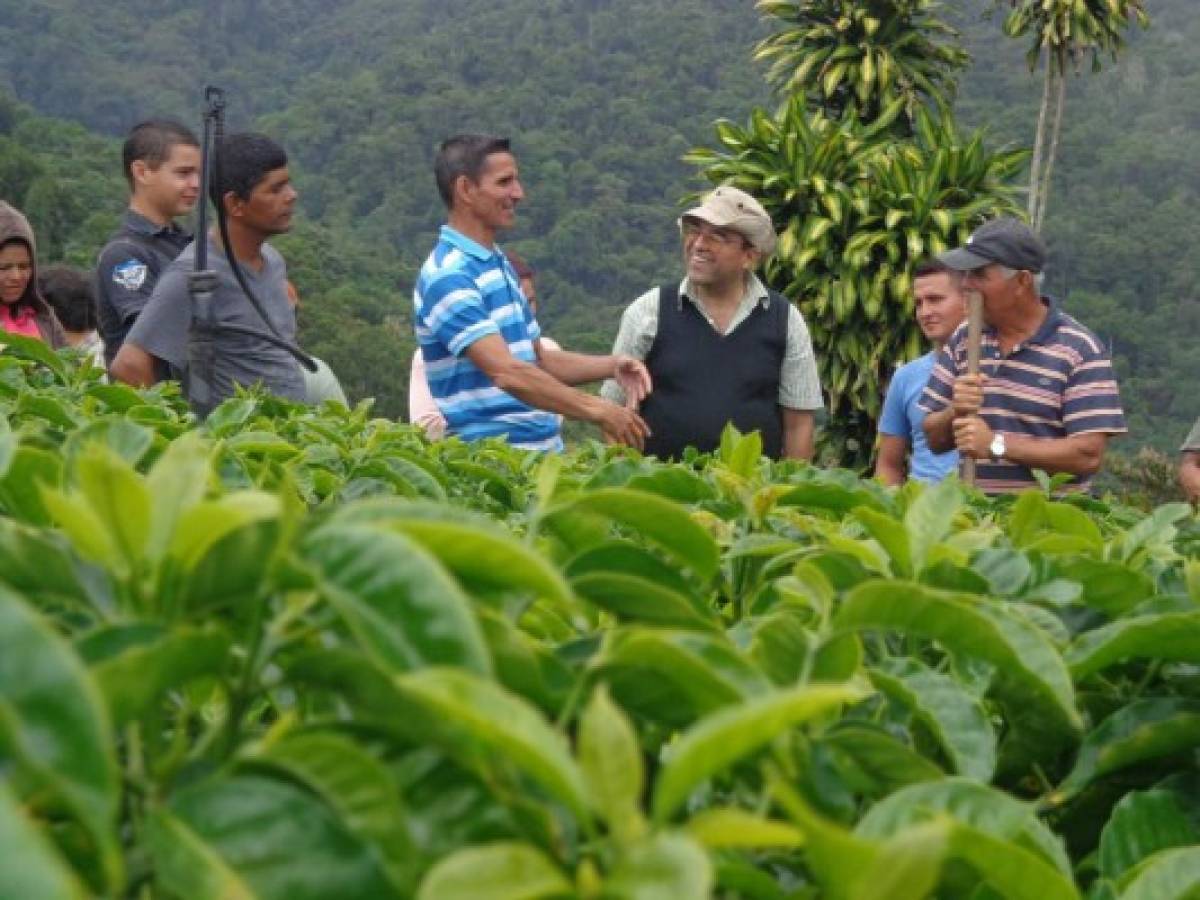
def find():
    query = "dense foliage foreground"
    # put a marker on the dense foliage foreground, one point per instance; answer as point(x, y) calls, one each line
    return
point(301, 653)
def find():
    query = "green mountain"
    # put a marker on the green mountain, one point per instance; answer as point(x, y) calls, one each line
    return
point(601, 97)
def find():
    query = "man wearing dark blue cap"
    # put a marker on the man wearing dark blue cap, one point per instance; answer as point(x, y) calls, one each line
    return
point(1046, 396)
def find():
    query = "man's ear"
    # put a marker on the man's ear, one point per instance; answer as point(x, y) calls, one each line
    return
point(464, 188)
point(138, 170)
point(234, 205)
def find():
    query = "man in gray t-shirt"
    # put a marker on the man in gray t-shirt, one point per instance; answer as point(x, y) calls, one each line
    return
point(257, 196)
point(162, 328)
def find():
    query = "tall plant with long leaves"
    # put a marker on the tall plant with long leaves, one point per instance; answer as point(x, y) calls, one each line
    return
point(859, 58)
point(865, 173)
point(1065, 33)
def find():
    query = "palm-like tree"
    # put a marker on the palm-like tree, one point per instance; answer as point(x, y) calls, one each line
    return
point(1065, 33)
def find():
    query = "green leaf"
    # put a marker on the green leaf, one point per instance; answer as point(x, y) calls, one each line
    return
point(53, 725)
point(211, 842)
point(1167, 637)
point(118, 497)
point(1143, 730)
point(203, 525)
point(1141, 824)
point(184, 862)
point(674, 676)
point(1111, 587)
point(907, 866)
point(1168, 875)
point(723, 737)
point(983, 808)
point(928, 519)
point(481, 555)
point(612, 766)
point(955, 718)
point(720, 829)
point(353, 783)
point(465, 709)
point(134, 680)
point(1008, 869)
point(176, 483)
point(35, 349)
point(635, 599)
point(402, 607)
point(501, 871)
point(874, 762)
point(29, 865)
point(667, 525)
point(666, 866)
point(1031, 679)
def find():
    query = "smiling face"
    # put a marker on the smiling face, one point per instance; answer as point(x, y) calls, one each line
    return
point(940, 306)
point(492, 200)
point(714, 256)
point(16, 269)
point(172, 187)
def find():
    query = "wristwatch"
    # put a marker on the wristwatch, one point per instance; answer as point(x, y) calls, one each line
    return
point(997, 447)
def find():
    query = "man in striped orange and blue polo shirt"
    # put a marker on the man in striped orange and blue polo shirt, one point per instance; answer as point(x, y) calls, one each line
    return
point(1046, 396)
point(488, 369)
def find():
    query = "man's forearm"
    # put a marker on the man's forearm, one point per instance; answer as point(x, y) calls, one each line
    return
point(1076, 455)
point(542, 389)
point(797, 434)
point(939, 430)
point(576, 368)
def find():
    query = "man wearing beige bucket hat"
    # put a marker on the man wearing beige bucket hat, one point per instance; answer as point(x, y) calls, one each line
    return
point(719, 345)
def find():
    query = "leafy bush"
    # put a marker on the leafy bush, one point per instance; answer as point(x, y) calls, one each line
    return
point(304, 653)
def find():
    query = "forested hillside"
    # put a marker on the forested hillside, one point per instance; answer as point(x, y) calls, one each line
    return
point(602, 98)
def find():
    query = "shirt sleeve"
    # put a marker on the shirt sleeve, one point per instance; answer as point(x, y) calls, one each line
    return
point(453, 310)
point(162, 328)
point(1192, 443)
point(939, 390)
point(894, 418)
point(1092, 401)
point(799, 384)
point(635, 337)
point(124, 281)
point(422, 408)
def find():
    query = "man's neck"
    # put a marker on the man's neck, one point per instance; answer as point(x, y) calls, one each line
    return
point(721, 296)
point(145, 210)
point(246, 244)
point(469, 226)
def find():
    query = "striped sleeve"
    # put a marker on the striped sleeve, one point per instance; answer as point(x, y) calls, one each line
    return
point(1091, 400)
point(939, 390)
point(453, 311)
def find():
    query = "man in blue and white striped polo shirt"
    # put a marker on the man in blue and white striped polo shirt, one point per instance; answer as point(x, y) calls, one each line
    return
point(1046, 396)
point(487, 367)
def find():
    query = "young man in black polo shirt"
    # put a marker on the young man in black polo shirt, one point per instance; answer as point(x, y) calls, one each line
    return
point(161, 160)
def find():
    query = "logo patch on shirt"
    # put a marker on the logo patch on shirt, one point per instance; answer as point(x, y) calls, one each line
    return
point(1044, 382)
point(130, 274)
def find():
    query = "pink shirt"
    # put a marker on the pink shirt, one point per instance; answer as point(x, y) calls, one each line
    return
point(422, 408)
point(22, 323)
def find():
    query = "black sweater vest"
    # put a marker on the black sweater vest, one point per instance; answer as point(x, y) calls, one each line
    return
point(702, 379)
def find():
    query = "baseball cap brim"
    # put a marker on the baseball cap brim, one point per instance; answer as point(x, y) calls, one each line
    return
point(962, 260)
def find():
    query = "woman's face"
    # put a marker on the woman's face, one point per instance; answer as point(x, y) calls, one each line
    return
point(16, 268)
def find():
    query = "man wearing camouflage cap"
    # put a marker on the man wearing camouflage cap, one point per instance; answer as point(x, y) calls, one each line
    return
point(719, 345)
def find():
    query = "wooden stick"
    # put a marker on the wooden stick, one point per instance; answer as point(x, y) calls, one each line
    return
point(974, 341)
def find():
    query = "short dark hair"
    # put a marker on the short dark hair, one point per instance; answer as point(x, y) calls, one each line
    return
point(464, 154)
point(70, 293)
point(935, 267)
point(520, 265)
point(245, 160)
point(151, 142)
